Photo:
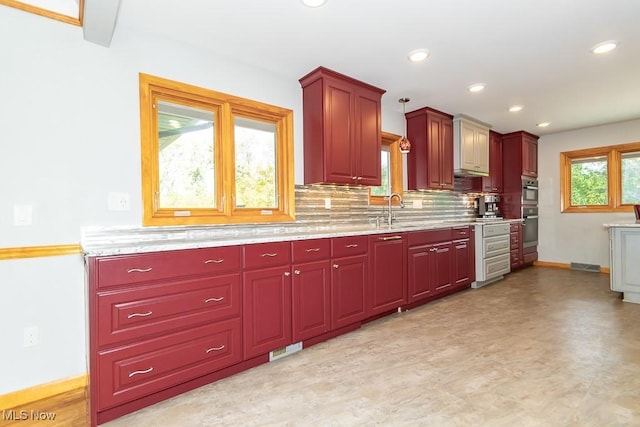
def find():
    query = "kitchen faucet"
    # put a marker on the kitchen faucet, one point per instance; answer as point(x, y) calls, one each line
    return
point(390, 212)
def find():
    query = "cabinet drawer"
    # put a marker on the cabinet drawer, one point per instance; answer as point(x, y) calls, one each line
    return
point(417, 238)
point(310, 250)
point(515, 241)
point(347, 246)
point(267, 255)
point(514, 227)
point(497, 265)
point(460, 232)
point(137, 370)
point(489, 230)
point(530, 257)
point(515, 257)
point(145, 311)
point(495, 245)
point(139, 268)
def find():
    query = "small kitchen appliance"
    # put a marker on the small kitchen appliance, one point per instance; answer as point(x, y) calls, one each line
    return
point(487, 206)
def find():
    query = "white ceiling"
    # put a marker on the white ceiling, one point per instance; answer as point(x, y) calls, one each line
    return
point(529, 52)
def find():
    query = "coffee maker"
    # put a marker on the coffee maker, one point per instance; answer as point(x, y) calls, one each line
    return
point(487, 206)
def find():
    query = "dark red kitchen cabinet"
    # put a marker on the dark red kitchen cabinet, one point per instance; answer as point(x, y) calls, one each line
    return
point(266, 296)
point(515, 245)
point(311, 293)
point(520, 157)
point(442, 266)
point(430, 162)
point(493, 182)
point(342, 129)
point(430, 263)
point(388, 284)
point(419, 286)
point(348, 289)
point(463, 265)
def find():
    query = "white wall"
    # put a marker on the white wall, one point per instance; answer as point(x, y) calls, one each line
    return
point(69, 115)
point(576, 237)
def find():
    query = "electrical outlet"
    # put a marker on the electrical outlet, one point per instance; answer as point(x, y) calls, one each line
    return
point(31, 336)
point(327, 202)
point(417, 204)
point(118, 201)
point(22, 215)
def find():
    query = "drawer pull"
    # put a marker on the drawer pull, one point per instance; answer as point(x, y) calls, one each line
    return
point(352, 245)
point(287, 273)
point(296, 272)
point(139, 270)
point(214, 261)
point(209, 350)
point(132, 315)
point(313, 250)
point(146, 371)
point(461, 246)
point(336, 266)
point(269, 255)
point(214, 299)
point(390, 238)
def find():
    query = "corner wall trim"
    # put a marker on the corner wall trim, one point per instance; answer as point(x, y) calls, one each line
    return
point(40, 251)
point(42, 391)
point(604, 270)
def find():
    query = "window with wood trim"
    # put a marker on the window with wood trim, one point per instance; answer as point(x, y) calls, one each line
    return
point(602, 179)
point(213, 158)
point(391, 166)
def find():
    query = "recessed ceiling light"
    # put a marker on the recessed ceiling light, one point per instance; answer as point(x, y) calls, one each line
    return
point(604, 47)
point(418, 55)
point(515, 108)
point(478, 87)
point(543, 124)
point(314, 3)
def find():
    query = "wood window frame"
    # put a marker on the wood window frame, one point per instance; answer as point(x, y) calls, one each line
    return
point(395, 172)
point(36, 10)
point(225, 108)
point(613, 154)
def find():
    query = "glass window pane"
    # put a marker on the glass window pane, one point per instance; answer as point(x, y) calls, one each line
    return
point(186, 157)
point(385, 188)
point(589, 184)
point(631, 178)
point(255, 153)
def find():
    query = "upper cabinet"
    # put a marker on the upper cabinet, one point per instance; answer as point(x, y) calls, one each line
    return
point(493, 182)
point(430, 162)
point(470, 146)
point(342, 129)
point(520, 155)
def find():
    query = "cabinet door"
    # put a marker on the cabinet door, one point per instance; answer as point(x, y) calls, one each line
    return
point(311, 296)
point(530, 157)
point(441, 267)
point(348, 281)
point(338, 132)
point(462, 267)
point(493, 182)
point(367, 137)
point(446, 154)
point(419, 286)
point(468, 135)
point(388, 288)
point(481, 150)
point(434, 150)
point(266, 310)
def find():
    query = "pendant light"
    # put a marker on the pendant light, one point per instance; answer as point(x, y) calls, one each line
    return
point(405, 145)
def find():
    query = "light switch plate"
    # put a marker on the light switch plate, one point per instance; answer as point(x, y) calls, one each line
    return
point(417, 204)
point(118, 201)
point(22, 215)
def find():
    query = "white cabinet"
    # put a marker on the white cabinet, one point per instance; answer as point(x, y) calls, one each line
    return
point(625, 269)
point(492, 252)
point(470, 146)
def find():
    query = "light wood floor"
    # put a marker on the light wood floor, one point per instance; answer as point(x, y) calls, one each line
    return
point(545, 347)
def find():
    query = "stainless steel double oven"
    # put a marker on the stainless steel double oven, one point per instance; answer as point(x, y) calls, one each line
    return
point(530, 212)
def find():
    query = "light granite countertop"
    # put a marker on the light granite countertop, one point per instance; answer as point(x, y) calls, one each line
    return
point(106, 241)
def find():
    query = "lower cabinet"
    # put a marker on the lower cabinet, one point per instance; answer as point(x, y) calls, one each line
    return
point(515, 235)
point(437, 263)
point(349, 278)
point(388, 283)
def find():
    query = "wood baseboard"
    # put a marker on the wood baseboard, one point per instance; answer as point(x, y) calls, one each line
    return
point(63, 402)
point(567, 266)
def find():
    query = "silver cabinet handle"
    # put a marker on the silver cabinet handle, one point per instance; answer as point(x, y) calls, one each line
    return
point(352, 245)
point(313, 250)
point(269, 255)
point(433, 250)
point(214, 261)
point(287, 273)
point(461, 246)
point(146, 371)
point(335, 266)
point(296, 272)
point(148, 313)
point(214, 299)
point(359, 178)
point(209, 350)
point(139, 270)
point(390, 238)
